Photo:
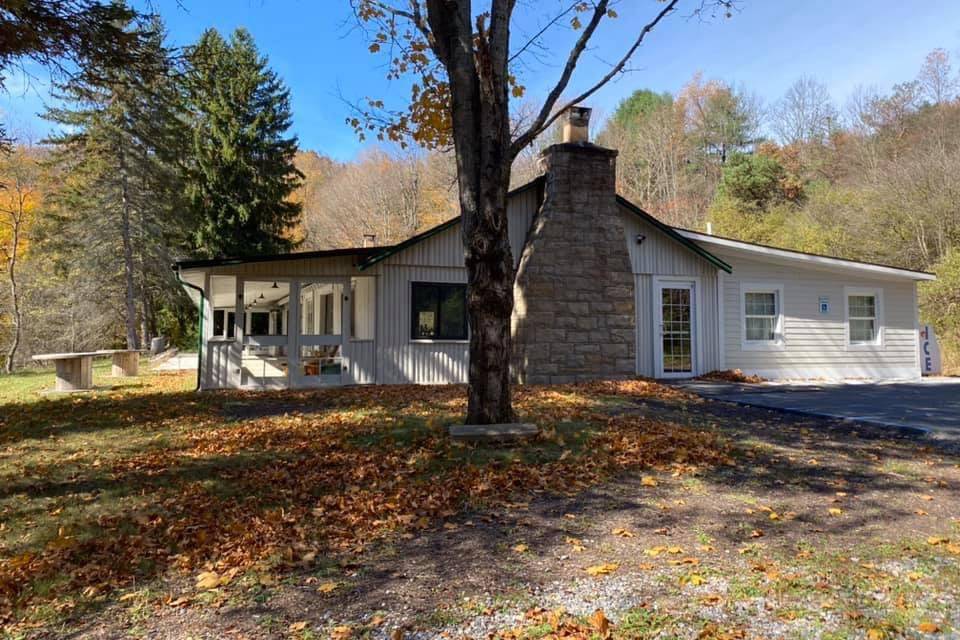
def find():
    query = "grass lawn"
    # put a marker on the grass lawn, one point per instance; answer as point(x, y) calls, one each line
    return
point(147, 510)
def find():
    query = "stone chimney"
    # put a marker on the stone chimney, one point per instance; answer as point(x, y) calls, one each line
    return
point(574, 316)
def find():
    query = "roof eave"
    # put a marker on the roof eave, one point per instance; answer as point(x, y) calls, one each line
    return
point(673, 234)
point(811, 258)
point(280, 257)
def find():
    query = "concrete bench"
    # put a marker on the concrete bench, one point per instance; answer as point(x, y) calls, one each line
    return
point(75, 370)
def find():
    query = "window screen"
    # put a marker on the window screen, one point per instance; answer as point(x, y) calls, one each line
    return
point(439, 311)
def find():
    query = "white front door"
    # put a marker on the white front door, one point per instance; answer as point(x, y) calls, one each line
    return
point(675, 328)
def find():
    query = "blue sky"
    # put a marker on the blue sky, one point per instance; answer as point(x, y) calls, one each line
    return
point(764, 47)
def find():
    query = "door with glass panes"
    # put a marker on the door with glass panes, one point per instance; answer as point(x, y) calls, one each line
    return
point(675, 329)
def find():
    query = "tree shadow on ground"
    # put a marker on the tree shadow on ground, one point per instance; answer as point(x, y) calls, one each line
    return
point(794, 468)
point(194, 504)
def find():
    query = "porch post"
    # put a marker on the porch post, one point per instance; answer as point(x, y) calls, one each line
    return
point(235, 375)
point(346, 370)
point(293, 336)
point(206, 310)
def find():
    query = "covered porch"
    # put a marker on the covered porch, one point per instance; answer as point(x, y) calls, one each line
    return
point(285, 332)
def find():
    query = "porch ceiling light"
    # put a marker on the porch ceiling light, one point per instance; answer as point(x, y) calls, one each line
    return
point(274, 285)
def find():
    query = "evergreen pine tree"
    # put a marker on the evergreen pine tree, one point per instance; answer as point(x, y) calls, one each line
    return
point(119, 210)
point(242, 171)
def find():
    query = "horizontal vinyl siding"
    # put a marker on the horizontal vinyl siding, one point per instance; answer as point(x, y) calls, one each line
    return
point(815, 344)
point(660, 255)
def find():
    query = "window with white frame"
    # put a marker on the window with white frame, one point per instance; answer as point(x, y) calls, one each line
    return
point(762, 315)
point(863, 317)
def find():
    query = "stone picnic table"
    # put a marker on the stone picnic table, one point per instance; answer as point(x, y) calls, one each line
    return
point(75, 370)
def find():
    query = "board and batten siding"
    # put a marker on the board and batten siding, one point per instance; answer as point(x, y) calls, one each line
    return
point(814, 344)
point(660, 255)
point(439, 258)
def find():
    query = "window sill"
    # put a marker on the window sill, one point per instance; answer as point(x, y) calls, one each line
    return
point(777, 345)
point(221, 340)
point(864, 346)
point(438, 341)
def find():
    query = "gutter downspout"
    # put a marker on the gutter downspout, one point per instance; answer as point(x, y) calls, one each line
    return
point(200, 330)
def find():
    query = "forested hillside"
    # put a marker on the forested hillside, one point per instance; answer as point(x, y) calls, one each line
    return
point(188, 153)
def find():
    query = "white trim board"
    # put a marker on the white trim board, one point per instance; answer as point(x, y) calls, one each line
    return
point(823, 261)
point(696, 299)
point(779, 340)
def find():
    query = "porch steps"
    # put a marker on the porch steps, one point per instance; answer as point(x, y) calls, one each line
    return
point(506, 432)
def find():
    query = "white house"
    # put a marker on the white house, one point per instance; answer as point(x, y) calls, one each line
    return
point(603, 289)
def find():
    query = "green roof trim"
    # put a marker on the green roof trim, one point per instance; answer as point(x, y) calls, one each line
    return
point(406, 244)
point(429, 233)
point(672, 233)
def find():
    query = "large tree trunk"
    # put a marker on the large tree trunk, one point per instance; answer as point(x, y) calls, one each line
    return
point(128, 264)
point(481, 133)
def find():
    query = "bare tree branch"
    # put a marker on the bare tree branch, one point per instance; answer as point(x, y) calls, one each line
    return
point(542, 31)
point(540, 122)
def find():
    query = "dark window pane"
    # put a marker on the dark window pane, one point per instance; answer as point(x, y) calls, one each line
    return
point(259, 323)
point(439, 311)
point(218, 316)
point(426, 300)
point(231, 324)
point(328, 314)
point(453, 313)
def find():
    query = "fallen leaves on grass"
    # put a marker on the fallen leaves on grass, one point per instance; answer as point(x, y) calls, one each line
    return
point(329, 472)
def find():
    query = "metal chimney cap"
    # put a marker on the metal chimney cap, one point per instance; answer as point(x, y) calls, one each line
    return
point(576, 124)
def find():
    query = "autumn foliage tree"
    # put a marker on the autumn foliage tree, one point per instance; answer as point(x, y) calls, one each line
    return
point(464, 64)
point(20, 199)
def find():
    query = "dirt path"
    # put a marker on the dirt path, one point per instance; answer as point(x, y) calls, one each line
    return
point(820, 530)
